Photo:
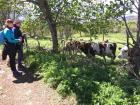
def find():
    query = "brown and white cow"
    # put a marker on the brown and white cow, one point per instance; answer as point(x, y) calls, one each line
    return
point(101, 49)
point(86, 48)
point(71, 47)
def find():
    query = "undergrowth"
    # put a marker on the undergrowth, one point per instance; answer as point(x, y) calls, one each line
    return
point(93, 82)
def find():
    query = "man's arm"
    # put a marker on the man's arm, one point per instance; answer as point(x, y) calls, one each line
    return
point(10, 37)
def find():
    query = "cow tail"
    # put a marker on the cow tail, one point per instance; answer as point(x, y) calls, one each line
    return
point(115, 47)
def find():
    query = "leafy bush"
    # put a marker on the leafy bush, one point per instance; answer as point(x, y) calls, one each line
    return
point(92, 82)
point(109, 95)
point(64, 88)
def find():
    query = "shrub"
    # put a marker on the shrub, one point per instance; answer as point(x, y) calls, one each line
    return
point(109, 95)
point(91, 82)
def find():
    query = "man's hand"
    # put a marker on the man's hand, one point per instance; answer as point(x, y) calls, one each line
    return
point(20, 40)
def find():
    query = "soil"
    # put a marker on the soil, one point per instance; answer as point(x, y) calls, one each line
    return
point(28, 90)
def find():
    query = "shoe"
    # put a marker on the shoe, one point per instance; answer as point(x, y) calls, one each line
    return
point(21, 66)
point(4, 57)
point(17, 74)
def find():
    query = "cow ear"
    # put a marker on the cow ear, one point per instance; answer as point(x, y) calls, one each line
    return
point(119, 48)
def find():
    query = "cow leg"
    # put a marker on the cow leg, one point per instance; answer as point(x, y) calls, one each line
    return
point(69, 51)
point(113, 58)
point(104, 58)
point(92, 57)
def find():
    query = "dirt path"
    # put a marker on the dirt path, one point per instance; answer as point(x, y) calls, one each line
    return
point(27, 91)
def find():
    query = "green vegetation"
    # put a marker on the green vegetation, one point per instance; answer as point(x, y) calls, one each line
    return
point(92, 81)
point(48, 22)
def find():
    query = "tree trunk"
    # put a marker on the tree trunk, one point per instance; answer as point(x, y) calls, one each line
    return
point(136, 57)
point(45, 9)
point(53, 30)
point(138, 24)
point(44, 6)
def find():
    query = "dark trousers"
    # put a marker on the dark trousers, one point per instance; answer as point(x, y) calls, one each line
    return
point(20, 54)
point(4, 53)
point(10, 49)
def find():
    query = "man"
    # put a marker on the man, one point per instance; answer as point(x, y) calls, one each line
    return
point(10, 46)
point(18, 34)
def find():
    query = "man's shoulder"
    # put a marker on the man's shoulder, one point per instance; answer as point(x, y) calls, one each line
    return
point(6, 30)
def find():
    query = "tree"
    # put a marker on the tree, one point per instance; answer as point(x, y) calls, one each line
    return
point(58, 13)
point(10, 9)
point(46, 10)
point(119, 9)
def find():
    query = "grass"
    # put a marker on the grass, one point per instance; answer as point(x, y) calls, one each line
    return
point(119, 38)
point(43, 43)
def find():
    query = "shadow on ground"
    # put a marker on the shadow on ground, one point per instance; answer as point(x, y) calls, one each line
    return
point(29, 76)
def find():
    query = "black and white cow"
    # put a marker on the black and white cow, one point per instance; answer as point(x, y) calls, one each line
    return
point(101, 49)
point(105, 49)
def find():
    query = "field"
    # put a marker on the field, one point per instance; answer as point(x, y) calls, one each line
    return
point(119, 38)
point(92, 82)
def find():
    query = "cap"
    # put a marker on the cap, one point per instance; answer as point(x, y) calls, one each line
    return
point(9, 21)
point(17, 21)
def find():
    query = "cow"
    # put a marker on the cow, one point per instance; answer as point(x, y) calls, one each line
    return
point(86, 48)
point(105, 49)
point(72, 47)
point(128, 53)
point(101, 49)
point(125, 53)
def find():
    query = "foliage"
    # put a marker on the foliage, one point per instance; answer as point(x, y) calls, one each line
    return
point(35, 27)
point(10, 9)
point(92, 82)
point(109, 95)
point(84, 16)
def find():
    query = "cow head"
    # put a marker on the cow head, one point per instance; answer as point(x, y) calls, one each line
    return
point(123, 52)
point(110, 50)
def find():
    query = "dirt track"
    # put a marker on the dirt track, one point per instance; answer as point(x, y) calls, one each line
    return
point(27, 91)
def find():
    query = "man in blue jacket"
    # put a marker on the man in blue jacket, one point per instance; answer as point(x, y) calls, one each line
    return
point(10, 45)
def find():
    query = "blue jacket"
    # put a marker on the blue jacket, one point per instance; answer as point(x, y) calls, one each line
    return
point(9, 36)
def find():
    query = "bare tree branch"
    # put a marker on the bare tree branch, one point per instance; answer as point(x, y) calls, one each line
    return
point(33, 1)
point(137, 1)
point(59, 10)
point(127, 28)
point(134, 11)
point(133, 2)
point(126, 25)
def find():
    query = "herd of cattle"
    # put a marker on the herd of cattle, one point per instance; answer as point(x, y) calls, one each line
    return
point(91, 49)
